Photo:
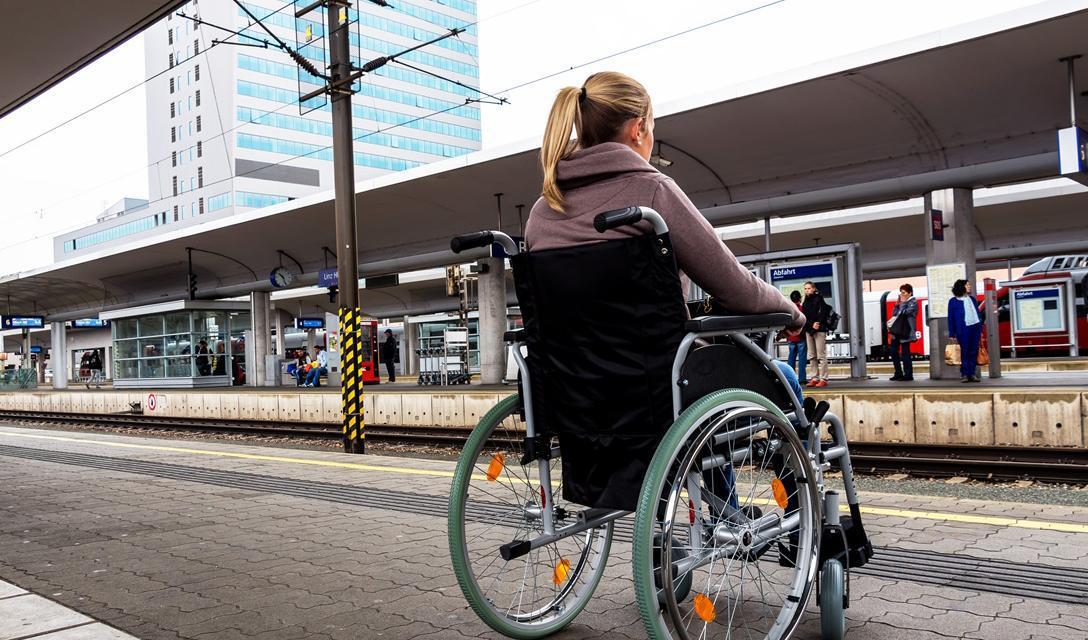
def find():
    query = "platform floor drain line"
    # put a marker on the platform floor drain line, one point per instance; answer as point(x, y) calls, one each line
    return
point(988, 575)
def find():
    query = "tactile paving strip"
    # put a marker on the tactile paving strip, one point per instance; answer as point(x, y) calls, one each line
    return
point(1043, 582)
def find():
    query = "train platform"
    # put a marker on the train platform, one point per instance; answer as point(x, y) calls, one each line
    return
point(1030, 408)
point(162, 539)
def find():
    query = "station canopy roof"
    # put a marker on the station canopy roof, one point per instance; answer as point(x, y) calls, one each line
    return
point(974, 105)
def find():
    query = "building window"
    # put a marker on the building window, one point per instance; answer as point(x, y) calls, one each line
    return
point(192, 210)
point(190, 103)
point(188, 52)
point(171, 61)
point(192, 184)
point(175, 182)
point(169, 36)
point(201, 202)
point(200, 176)
point(196, 72)
point(173, 134)
point(197, 96)
point(171, 85)
point(172, 110)
point(173, 158)
point(196, 47)
point(175, 213)
point(188, 78)
point(199, 149)
point(198, 124)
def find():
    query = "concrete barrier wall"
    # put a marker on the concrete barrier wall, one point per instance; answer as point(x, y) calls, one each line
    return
point(1005, 417)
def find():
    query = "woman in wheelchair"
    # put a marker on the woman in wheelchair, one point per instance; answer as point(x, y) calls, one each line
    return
point(627, 405)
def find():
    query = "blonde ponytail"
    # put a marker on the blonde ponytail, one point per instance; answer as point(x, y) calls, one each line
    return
point(562, 121)
point(595, 112)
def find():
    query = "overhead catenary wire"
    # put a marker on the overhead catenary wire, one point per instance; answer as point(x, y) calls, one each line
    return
point(451, 108)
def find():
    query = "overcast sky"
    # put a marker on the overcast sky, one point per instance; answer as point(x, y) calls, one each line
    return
point(62, 180)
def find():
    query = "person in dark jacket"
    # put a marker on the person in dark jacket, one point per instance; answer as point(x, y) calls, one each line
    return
point(965, 327)
point(816, 311)
point(389, 354)
point(901, 330)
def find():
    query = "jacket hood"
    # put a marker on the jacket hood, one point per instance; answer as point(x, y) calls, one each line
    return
point(600, 162)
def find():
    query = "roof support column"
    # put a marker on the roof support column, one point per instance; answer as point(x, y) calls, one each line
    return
point(492, 301)
point(58, 354)
point(262, 336)
point(410, 342)
point(950, 239)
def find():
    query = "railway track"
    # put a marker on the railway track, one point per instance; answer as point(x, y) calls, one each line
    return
point(1002, 463)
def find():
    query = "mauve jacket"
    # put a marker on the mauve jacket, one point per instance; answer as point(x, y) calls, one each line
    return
point(613, 176)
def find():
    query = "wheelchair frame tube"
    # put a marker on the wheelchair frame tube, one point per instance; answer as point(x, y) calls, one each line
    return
point(544, 470)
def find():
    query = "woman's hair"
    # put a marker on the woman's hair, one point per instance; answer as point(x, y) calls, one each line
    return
point(595, 112)
point(906, 287)
point(959, 288)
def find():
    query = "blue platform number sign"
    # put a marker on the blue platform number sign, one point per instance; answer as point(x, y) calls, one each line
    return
point(309, 323)
point(23, 322)
point(327, 278)
point(90, 323)
point(36, 349)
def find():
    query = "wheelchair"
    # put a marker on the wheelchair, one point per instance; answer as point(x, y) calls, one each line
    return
point(626, 406)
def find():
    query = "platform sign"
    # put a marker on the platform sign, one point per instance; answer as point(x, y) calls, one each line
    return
point(790, 277)
point(327, 278)
point(309, 323)
point(90, 323)
point(36, 349)
point(939, 281)
point(1039, 310)
point(1073, 154)
point(23, 322)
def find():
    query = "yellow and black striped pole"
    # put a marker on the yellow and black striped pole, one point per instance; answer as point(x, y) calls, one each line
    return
point(351, 381)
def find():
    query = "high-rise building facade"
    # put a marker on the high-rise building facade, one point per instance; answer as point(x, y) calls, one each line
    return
point(226, 132)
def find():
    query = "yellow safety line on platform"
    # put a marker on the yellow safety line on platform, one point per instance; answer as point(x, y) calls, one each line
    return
point(244, 456)
point(996, 521)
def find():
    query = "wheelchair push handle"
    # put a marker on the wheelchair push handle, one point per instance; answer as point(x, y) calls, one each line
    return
point(630, 215)
point(483, 239)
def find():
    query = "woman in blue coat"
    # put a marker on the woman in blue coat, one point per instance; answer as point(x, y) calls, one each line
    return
point(965, 327)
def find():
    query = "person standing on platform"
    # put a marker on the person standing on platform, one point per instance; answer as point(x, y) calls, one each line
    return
point(798, 346)
point(965, 327)
point(203, 366)
point(320, 368)
point(816, 311)
point(389, 355)
point(901, 329)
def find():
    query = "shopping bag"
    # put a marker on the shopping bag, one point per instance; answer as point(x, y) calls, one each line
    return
point(983, 354)
point(952, 354)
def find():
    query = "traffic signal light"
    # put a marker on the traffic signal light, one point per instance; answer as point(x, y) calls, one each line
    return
point(192, 286)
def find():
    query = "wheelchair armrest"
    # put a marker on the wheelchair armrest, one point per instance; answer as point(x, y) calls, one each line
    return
point(737, 324)
point(517, 335)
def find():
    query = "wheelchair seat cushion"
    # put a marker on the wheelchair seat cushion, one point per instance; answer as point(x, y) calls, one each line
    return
point(603, 323)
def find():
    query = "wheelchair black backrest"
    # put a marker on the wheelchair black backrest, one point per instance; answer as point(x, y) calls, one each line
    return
point(603, 323)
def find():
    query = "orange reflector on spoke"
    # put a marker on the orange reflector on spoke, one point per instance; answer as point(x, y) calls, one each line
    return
point(704, 608)
point(498, 463)
point(562, 571)
point(780, 493)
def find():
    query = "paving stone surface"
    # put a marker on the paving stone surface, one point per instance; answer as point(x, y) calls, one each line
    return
point(163, 558)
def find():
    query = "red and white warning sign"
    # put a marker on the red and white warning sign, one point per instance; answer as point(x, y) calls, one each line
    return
point(152, 402)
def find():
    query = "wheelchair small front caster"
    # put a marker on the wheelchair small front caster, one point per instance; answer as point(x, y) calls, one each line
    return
point(832, 601)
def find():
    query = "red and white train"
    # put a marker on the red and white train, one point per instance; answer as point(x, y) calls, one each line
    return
point(879, 304)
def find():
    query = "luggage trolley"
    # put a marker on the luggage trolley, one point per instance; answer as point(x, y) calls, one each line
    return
point(626, 407)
